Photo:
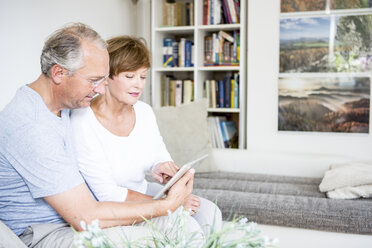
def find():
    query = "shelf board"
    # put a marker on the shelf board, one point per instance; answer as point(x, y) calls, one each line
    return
point(224, 110)
point(176, 29)
point(174, 69)
point(219, 68)
point(219, 27)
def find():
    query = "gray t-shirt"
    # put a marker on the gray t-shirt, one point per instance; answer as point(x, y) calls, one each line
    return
point(37, 159)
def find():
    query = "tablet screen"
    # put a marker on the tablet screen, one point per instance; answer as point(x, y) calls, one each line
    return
point(178, 175)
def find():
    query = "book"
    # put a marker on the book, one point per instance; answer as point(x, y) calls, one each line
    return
point(207, 92)
point(221, 93)
point(230, 132)
point(167, 52)
point(188, 45)
point(187, 91)
point(227, 92)
point(236, 90)
point(172, 92)
point(164, 90)
point(175, 53)
point(178, 93)
point(208, 50)
point(213, 94)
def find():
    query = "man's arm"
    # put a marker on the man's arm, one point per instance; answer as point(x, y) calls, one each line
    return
point(77, 204)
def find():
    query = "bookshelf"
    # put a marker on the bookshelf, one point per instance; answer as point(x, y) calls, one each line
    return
point(198, 72)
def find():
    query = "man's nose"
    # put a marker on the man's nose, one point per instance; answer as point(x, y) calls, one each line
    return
point(100, 89)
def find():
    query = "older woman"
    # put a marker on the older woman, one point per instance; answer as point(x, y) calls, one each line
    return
point(118, 140)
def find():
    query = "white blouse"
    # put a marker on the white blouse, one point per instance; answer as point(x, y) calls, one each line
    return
point(112, 164)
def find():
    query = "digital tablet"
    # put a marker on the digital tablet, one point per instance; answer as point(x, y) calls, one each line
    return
point(178, 175)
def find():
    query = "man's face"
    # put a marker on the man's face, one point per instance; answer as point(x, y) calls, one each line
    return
point(88, 80)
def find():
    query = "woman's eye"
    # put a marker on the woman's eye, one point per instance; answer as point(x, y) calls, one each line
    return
point(143, 77)
point(129, 76)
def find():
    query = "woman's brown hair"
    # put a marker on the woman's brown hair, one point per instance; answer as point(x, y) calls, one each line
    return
point(127, 53)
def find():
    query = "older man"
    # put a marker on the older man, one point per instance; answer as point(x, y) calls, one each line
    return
point(41, 190)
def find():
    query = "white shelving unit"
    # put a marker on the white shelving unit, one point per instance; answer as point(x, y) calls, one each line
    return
point(199, 73)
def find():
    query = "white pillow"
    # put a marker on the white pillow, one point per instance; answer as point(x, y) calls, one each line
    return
point(185, 133)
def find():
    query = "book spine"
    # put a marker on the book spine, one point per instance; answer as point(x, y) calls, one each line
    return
point(236, 90)
point(208, 92)
point(175, 53)
point(213, 93)
point(188, 45)
point(221, 93)
point(224, 137)
point(232, 10)
point(182, 52)
point(205, 12)
point(167, 52)
point(172, 93)
point(192, 16)
point(178, 97)
point(232, 97)
point(208, 50)
point(227, 91)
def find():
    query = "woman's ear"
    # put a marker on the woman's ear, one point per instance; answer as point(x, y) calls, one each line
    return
point(57, 73)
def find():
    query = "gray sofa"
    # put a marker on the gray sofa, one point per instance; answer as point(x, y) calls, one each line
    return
point(283, 200)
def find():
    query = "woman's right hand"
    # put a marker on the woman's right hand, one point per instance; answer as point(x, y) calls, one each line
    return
point(179, 193)
point(192, 204)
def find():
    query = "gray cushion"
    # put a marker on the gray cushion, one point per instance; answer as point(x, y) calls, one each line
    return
point(283, 200)
point(185, 132)
point(8, 238)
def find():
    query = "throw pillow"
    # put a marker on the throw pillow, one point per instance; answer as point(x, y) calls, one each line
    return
point(185, 133)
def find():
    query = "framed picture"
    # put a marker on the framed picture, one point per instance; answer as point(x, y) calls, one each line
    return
point(326, 44)
point(302, 5)
point(324, 104)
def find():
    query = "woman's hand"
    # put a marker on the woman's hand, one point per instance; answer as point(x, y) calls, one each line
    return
point(180, 192)
point(192, 204)
point(163, 172)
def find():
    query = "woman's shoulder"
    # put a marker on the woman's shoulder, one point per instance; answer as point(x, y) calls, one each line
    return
point(142, 106)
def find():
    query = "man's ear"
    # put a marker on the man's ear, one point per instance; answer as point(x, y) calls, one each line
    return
point(57, 73)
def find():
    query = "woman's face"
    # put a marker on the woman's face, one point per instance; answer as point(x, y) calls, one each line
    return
point(128, 86)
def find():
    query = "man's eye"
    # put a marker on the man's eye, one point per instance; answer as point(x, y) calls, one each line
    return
point(94, 80)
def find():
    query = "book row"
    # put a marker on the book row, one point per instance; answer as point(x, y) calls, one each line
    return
point(175, 92)
point(221, 12)
point(178, 13)
point(222, 48)
point(223, 133)
point(222, 93)
point(178, 53)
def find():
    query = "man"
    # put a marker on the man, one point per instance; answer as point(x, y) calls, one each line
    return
point(40, 186)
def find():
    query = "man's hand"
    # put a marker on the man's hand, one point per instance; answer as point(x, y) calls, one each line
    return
point(163, 172)
point(192, 204)
point(179, 193)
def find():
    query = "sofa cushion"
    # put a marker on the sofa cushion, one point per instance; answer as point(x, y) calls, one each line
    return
point(8, 238)
point(185, 132)
point(283, 200)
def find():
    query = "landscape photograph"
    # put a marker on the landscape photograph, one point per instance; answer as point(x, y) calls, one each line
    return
point(287, 6)
point(326, 44)
point(350, 4)
point(324, 104)
point(302, 5)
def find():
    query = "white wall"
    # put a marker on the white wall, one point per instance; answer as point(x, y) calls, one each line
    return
point(262, 106)
point(25, 24)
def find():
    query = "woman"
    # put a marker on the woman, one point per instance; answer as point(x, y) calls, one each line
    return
point(118, 140)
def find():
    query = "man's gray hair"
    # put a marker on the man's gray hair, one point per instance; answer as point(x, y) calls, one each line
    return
point(64, 48)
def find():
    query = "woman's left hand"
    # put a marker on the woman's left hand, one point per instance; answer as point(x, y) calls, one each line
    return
point(163, 172)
